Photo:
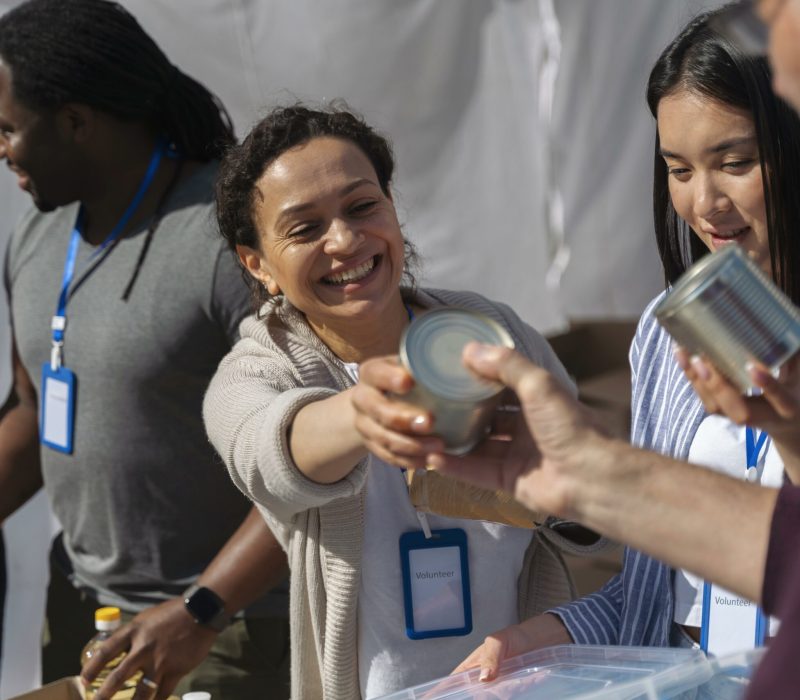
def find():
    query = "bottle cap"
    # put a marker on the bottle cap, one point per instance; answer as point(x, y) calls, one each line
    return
point(106, 619)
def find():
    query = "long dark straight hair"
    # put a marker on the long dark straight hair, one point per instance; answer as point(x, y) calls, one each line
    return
point(94, 52)
point(701, 60)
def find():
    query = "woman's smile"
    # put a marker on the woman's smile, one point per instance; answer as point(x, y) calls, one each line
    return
point(721, 237)
point(361, 273)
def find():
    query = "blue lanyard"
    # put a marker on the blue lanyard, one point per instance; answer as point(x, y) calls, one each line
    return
point(59, 322)
point(753, 447)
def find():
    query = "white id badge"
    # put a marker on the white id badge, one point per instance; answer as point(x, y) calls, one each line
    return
point(58, 408)
point(436, 584)
point(730, 623)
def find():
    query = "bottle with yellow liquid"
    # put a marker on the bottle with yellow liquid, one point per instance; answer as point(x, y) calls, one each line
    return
point(106, 621)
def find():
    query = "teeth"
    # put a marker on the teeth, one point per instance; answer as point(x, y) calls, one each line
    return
point(732, 233)
point(352, 275)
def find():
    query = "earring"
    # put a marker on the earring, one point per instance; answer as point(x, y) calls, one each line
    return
point(271, 288)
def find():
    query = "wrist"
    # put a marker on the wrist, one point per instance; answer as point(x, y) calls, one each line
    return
point(608, 476)
point(206, 607)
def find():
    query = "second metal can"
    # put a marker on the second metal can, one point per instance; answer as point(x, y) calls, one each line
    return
point(726, 308)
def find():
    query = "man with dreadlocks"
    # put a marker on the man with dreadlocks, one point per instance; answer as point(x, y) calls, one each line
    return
point(123, 301)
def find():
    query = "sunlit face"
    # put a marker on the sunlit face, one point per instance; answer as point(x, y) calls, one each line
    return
point(329, 236)
point(714, 172)
point(32, 148)
point(783, 19)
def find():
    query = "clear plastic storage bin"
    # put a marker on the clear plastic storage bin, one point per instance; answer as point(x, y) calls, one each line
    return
point(573, 672)
point(730, 676)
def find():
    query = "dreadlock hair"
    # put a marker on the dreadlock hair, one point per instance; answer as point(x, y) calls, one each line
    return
point(94, 52)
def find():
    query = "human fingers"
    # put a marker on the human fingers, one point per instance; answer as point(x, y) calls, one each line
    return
point(698, 372)
point(472, 661)
point(386, 374)
point(534, 386)
point(148, 689)
point(490, 465)
point(782, 396)
point(388, 428)
point(487, 657)
point(98, 657)
point(720, 395)
point(375, 406)
point(496, 363)
point(128, 667)
point(398, 449)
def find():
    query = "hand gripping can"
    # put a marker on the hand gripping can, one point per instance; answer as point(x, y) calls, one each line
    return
point(462, 403)
point(726, 308)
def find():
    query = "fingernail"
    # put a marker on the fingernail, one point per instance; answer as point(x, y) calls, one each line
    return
point(485, 673)
point(420, 424)
point(757, 374)
point(680, 357)
point(434, 462)
point(700, 367)
point(480, 351)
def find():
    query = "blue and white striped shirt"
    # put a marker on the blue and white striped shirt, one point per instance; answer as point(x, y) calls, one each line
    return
point(636, 606)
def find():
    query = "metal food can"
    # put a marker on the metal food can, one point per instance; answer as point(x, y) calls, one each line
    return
point(462, 403)
point(726, 308)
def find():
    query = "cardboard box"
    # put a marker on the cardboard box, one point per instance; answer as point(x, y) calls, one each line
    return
point(66, 689)
point(595, 353)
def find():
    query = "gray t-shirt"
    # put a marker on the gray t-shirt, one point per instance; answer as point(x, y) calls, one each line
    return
point(144, 500)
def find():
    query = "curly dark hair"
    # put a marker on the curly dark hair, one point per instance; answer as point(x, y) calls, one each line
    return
point(282, 129)
point(94, 52)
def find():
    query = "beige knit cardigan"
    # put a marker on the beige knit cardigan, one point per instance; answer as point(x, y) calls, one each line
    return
point(277, 367)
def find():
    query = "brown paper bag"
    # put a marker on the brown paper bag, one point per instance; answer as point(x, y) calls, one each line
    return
point(432, 492)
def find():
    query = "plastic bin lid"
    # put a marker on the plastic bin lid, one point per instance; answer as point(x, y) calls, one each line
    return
point(575, 672)
point(731, 674)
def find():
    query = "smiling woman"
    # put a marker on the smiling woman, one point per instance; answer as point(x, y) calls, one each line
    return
point(726, 172)
point(330, 240)
point(306, 203)
point(727, 169)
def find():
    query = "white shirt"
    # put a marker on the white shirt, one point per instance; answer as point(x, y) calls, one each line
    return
point(720, 445)
point(387, 659)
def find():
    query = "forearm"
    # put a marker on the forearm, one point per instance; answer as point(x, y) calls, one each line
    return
point(324, 443)
point(250, 564)
point(689, 517)
point(20, 465)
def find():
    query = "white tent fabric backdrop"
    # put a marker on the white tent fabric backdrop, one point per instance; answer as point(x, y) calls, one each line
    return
point(523, 143)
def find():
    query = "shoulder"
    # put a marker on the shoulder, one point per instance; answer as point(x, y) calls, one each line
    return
point(36, 229)
point(189, 213)
point(651, 341)
point(278, 345)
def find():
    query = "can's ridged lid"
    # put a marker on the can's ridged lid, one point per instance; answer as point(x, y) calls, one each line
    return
point(431, 349)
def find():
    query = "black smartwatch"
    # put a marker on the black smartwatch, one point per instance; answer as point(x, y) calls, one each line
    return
point(206, 607)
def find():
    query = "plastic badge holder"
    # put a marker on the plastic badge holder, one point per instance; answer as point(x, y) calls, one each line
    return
point(576, 672)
